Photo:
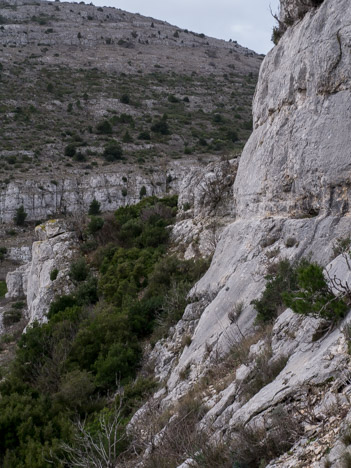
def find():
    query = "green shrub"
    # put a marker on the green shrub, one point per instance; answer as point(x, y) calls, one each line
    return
point(11, 316)
point(232, 135)
point(79, 270)
point(70, 150)
point(75, 388)
point(161, 126)
point(3, 252)
point(60, 304)
point(113, 151)
point(144, 135)
point(87, 292)
point(79, 157)
point(104, 128)
point(125, 99)
point(120, 363)
point(142, 192)
point(53, 274)
point(314, 296)
point(127, 137)
point(94, 208)
point(276, 35)
point(172, 98)
point(304, 289)
point(20, 216)
point(126, 119)
point(282, 279)
point(96, 223)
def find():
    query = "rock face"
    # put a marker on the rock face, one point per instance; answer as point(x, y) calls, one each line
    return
point(291, 199)
point(205, 203)
point(293, 10)
point(56, 247)
point(74, 194)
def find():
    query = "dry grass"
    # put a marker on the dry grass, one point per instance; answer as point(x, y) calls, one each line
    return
point(222, 372)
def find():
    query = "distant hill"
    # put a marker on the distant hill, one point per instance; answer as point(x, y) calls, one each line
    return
point(83, 86)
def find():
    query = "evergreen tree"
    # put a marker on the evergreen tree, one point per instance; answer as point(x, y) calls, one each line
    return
point(94, 208)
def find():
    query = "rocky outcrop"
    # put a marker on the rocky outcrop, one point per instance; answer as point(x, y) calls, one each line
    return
point(293, 10)
point(205, 208)
point(56, 247)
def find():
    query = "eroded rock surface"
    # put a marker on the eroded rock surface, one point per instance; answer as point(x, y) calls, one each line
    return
point(56, 247)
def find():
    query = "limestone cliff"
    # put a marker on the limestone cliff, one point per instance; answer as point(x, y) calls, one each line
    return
point(292, 183)
point(73, 193)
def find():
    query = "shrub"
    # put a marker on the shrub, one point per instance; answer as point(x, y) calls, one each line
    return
point(20, 216)
point(142, 192)
point(161, 126)
point(232, 136)
point(282, 279)
point(75, 388)
point(276, 35)
point(11, 316)
point(290, 242)
point(303, 288)
point(53, 274)
point(113, 151)
point(3, 252)
point(104, 128)
point(94, 208)
point(126, 119)
point(127, 137)
point(125, 99)
point(144, 135)
point(79, 157)
point(96, 223)
point(70, 150)
point(172, 98)
point(60, 304)
point(3, 288)
point(314, 296)
point(79, 270)
point(124, 192)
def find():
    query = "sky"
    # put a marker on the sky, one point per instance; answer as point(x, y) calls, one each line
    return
point(247, 21)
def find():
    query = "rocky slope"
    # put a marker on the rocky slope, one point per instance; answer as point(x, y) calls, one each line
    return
point(291, 184)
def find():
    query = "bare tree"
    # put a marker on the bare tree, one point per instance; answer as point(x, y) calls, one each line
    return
point(101, 450)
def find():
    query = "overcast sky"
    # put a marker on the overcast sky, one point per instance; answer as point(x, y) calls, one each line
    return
point(247, 21)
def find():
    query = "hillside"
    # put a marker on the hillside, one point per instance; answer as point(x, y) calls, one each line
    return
point(77, 79)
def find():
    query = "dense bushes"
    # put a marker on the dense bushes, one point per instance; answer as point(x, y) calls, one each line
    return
point(65, 368)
